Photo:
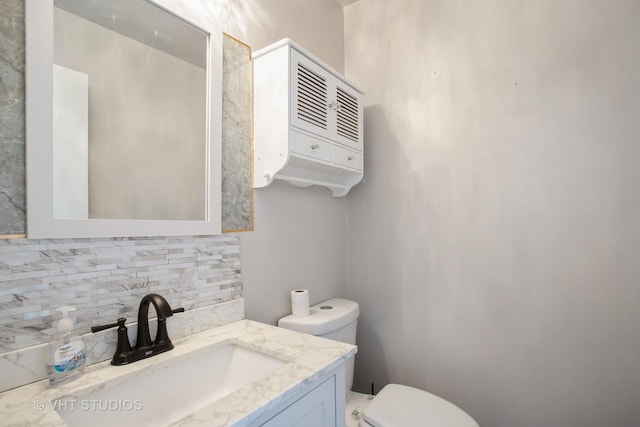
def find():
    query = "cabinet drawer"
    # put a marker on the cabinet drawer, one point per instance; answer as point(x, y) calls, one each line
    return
point(347, 158)
point(309, 146)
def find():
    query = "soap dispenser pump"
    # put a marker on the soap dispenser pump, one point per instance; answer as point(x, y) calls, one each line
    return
point(66, 356)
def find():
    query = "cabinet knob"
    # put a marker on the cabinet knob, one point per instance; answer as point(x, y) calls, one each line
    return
point(315, 146)
point(335, 106)
point(350, 158)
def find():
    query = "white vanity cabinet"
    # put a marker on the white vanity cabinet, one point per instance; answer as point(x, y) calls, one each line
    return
point(241, 374)
point(315, 409)
point(323, 405)
point(308, 121)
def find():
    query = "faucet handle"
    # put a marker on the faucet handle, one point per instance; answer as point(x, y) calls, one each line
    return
point(120, 321)
point(123, 347)
point(162, 337)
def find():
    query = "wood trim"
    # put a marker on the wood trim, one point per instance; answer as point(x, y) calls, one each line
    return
point(13, 236)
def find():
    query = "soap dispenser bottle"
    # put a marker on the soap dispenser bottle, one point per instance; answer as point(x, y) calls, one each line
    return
point(66, 353)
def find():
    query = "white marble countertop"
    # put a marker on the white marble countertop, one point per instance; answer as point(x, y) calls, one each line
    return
point(308, 358)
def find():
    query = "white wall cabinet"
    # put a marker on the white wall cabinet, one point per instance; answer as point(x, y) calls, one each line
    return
point(308, 121)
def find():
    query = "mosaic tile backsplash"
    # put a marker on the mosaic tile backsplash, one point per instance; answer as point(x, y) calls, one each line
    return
point(106, 278)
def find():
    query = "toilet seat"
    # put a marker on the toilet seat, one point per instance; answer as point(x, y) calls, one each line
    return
point(402, 406)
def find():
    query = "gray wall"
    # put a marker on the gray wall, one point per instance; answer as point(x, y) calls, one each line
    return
point(494, 243)
point(299, 242)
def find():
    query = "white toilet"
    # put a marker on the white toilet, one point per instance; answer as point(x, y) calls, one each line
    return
point(395, 405)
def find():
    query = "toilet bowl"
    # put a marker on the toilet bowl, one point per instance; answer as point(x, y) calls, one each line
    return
point(395, 405)
point(399, 406)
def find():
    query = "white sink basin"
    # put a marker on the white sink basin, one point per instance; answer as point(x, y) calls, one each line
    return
point(169, 390)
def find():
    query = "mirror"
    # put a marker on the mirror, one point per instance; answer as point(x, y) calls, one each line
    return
point(123, 119)
point(115, 156)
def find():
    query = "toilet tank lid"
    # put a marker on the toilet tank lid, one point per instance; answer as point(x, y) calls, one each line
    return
point(323, 318)
point(400, 405)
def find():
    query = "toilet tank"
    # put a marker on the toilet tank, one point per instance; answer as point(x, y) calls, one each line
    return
point(335, 319)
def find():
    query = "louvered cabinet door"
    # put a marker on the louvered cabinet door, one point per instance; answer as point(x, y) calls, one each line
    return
point(309, 96)
point(347, 105)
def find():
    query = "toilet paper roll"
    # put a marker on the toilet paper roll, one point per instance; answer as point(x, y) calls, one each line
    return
point(300, 302)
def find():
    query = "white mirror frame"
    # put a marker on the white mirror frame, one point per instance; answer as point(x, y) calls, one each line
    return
point(41, 223)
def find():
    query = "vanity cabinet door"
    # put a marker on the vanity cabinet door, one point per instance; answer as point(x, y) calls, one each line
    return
point(315, 409)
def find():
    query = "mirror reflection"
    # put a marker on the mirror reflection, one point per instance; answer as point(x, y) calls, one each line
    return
point(130, 112)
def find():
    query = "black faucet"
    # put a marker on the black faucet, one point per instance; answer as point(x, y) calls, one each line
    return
point(144, 346)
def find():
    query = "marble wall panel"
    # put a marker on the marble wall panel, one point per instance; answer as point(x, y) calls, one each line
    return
point(12, 161)
point(237, 148)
